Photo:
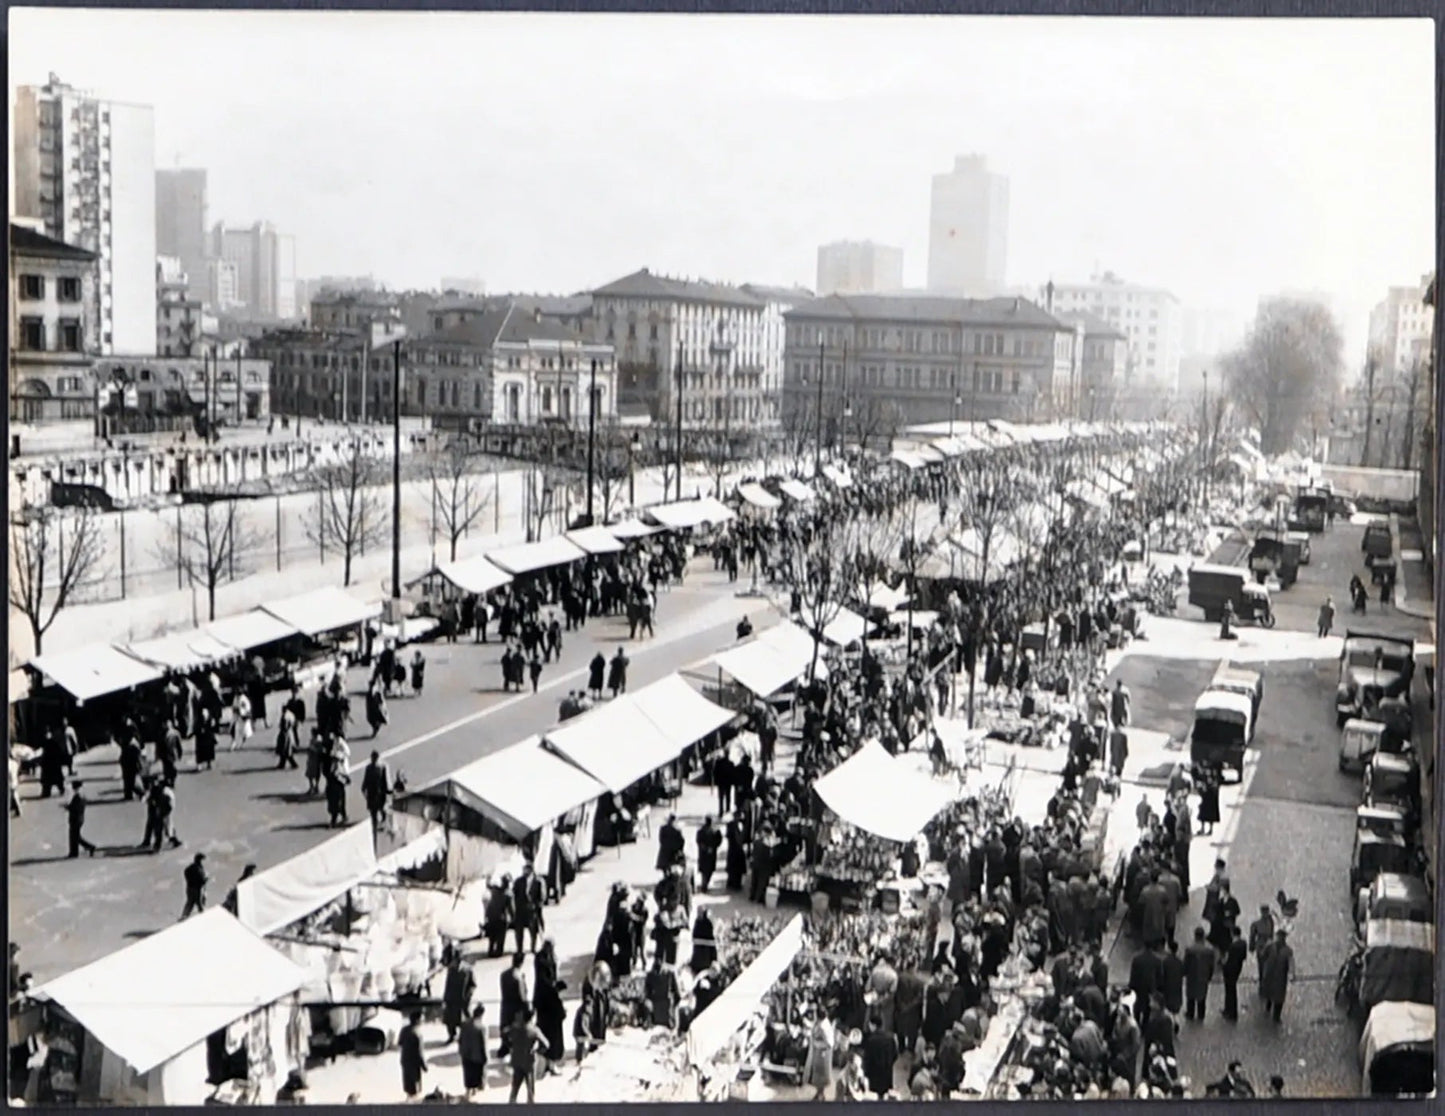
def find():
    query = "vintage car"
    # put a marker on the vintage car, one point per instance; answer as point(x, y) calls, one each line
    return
point(1399, 963)
point(1393, 781)
point(1210, 586)
point(1380, 846)
point(1397, 1050)
point(1274, 555)
point(1377, 543)
point(1237, 680)
point(1359, 740)
point(1311, 507)
point(1395, 895)
point(1223, 729)
point(1300, 539)
point(1372, 667)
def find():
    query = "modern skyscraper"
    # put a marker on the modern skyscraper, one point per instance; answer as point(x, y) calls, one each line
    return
point(86, 169)
point(968, 230)
point(859, 267)
point(265, 268)
point(181, 224)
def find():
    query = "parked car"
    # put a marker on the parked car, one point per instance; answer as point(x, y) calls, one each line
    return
point(1210, 586)
point(1372, 667)
point(1377, 543)
point(1223, 728)
point(1397, 1050)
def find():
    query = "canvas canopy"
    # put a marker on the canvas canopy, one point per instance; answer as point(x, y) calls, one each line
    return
point(1395, 1023)
point(94, 671)
point(908, 459)
point(540, 555)
point(183, 651)
point(880, 596)
point(614, 743)
point(845, 628)
point(631, 529)
point(595, 540)
point(715, 511)
point(1226, 703)
point(1003, 548)
point(249, 630)
point(163, 995)
point(304, 884)
point(474, 575)
point(766, 665)
point(322, 610)
point(521, 788)
point(758, 496)
point(798, 490)
point(678, 711)
point(715, 1026)
point(679, 515)
point(873, 791)
point(838, 476)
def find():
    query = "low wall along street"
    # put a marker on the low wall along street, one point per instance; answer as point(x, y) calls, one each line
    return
point(1393, 485)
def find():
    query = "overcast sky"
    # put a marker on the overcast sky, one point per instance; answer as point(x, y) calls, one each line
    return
point(1223, 159)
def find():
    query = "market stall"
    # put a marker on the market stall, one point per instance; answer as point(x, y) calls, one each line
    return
point(293, 889)
point(184, 651)
point(474, 575)
point(249, 631)
point(323, 611)
point(594, 743)
point(630, 529)
point(771, 661)
point(678, 711)
point(758, 496)
point(93, 671)
point(534, 556)
point(838, 476)
point(797, 490)
point(873, 791)
point(166, 1020)
point(595, 540)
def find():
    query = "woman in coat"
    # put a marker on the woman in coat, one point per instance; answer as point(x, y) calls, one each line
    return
point(595, 1011)
point(544, 970)
point(376, 714)
point(818, 1070)
point(1208, 802)
point(551, 1021)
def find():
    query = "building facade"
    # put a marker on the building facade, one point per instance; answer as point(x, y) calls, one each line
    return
point(180, 318)
point(968, 230)
point(859, 267)
point(181, 225)
point(777, 301)
point(498, 363)
point(53, 328)
point(1100, 369)
point(229, 390)
point(706, 338)
point(265, 262)
point(1151, 318)
point(85, 168)
point(878, 362)
point(1401, 328)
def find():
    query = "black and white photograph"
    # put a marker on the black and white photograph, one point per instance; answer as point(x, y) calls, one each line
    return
point(670, 557)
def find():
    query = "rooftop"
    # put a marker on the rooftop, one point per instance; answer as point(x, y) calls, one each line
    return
point(1094, 326)
point(928, 309)
point(644, 284)
point(778, 294)
point(26, 241)
point(505, 322)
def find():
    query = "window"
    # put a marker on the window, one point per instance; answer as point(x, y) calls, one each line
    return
point(1016, 383)
point(652, 332)
point(32, 287)
point(546, 399)
point(70, 335)
point(477, 397)
point(421, 391)
point(32, 334)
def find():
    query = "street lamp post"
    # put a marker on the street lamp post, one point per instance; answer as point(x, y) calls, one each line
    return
point(1204, 444)
point(396, 471)
point(591, 436)
point(633, 445)
point(818, 439)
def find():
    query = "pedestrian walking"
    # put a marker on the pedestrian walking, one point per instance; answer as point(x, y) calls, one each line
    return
point(1275, 974)
point(617, 673)
point(75, 811)
point(196, 880)
point(596, 670)
point(534, 670)
point(457, 994)
point(472, 1049)
point(413, 1061)
point(1233, 966)
point(241, 727)
point(1261, 934)
point(130, 763)
point(232, 901)
point(206, 741)
point(523, 1039)
point(1120, 703)
point(1198, 972)
point(418, 673)
point(1326, 617)
point(376, 711)
point(376, 790)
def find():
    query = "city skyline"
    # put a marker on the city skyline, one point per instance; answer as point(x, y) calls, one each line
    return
point(1199, 157)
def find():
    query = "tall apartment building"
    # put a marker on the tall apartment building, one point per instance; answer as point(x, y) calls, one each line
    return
point(708, 336)
point(877, 362)
point(1150, 317)
point(265, 268)
point(1401, 328)
point(181, 224)
point(222, 286)
point(968, 230)
point(86, 169)
point(859, 267)
point(180, 320)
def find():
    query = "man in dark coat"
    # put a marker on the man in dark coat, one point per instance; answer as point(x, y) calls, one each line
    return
point(527, 900)
point(196, 880)
point(671, 845)
point(413, 1061)
point(1275, 973)
point(457, 994)
point(908, 1007)
point(1146, 976)
point(1234, 957)
point(880, 1053)
point(515, 998)
point(1198, 972)
point(1172, 988)
point(617, 673)
point(709, 840)
point(1160, 1027)
point(75, 812)
point(596, 670)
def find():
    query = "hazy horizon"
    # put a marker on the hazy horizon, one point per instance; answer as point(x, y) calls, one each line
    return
point(1222, 159)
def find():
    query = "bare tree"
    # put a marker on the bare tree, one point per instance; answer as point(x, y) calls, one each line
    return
point(350, 514)
point(459, 492)
point(611, 477)
point(542, 487)
point(875, 421)
point(1292, 354)
point(819, 570)
point(1413, 380)
point(210, 541)
point(52, 555)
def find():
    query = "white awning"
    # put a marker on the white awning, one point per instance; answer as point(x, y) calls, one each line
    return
point(632, 529)
point(680, 514)
point(919, 620)
point(595, 540)
point(774, 659)
point(540, 555)
point(1003, 551)
point(715, 511)
point(880, 596)
point(521, 788)
point(678, 711)
point(249, 630)
point(156, 999)
point(295, 888)
point(798, 491)
point(844, 628)
point(183, 651)
point(758, 496)
point(873, 791)
point(474, 575)
point(907, 458)
point(94, 671)
point(716, 1025)
point(614, 743)
point(838, 476)
point(930, 453)
point(322, 610)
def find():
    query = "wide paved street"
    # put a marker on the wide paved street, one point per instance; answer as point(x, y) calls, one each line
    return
point(1293, 831)
point(65, 913)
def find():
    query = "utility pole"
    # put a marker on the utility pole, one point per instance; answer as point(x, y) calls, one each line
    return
point(396, 471)
point(238, 386)
point(1369, 408)
point(678, 463)
point(818, 434)
point(591, 435)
